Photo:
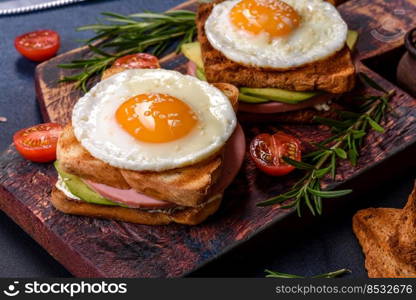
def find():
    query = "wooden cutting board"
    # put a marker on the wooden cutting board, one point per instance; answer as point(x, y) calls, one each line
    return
point(92, 247)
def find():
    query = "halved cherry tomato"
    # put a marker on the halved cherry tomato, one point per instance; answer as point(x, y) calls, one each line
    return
point(138, 61)
point(38, 143)
point(38, 45)
point(268, 151)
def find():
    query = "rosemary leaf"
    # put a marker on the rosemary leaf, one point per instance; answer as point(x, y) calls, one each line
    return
point(298, 164)
point(322, 172)
point(329, 194)
point(341, 153)
point(370, 82)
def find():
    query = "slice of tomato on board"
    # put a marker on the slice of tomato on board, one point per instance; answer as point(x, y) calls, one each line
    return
point(38, 143)
point(137, 61)
point(38, 45)
point(267, 151)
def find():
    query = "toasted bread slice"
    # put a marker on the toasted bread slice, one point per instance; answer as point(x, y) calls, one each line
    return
point(335, 74)
point(186, 186)
point(230, 91)
point(111, 71)
point(188, 216)
point(374, 229)
point(388, 239)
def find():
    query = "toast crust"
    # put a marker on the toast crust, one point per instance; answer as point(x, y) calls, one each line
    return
point(335, 74)
point(187, 216)
point(186, 186)
point(113, 70)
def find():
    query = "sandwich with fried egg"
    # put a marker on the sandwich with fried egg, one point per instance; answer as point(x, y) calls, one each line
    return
point(149, 146)
point(283, 55)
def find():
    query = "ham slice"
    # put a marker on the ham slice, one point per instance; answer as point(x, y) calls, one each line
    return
point(191, 68)
point(130, 197)
point(233, 159)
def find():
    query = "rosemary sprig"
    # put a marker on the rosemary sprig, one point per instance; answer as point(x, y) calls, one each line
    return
point(123, 35)
point(272, 274)
point(344, 144)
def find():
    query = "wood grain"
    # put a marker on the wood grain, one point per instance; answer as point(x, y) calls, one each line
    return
point(101, 248)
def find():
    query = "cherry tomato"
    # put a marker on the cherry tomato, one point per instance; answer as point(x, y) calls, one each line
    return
point(38, 45)
point(138, 61)
point(38, 143)
point(268, 151)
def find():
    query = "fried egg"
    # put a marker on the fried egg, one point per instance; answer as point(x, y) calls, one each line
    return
point(153, 120)
point(276, 34)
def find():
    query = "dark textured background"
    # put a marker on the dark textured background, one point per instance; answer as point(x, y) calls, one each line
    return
point(321, 245)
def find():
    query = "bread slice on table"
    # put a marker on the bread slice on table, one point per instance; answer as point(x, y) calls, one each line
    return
point(335, 74)
point(388, 239)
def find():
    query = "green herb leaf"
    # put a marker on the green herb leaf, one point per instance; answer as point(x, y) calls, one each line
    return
point(352, 156)
point(273, 274)
point(322, 172)
point(348, 114)
point(333, 274)
point(308, 203)
point(341, 153)
point(280, 198)
point(99, 51)
point(330, 194)
point(375, 125)
point(142, 32)
point(318, 203)
point(331, 122)
point(357, 134)
point(298, 164)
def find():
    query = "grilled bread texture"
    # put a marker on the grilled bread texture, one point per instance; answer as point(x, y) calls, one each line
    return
point(187, 216)
point(335, 74)
point(388, 239)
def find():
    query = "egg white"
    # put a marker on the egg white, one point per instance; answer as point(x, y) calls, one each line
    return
point(322, 32)
point(96, 128)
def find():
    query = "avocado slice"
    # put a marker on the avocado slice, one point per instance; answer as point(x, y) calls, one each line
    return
point(77, 187)
point(279, 95)
point(251, 99)
point(192, 51)
point(352, 38)
point(200, 74)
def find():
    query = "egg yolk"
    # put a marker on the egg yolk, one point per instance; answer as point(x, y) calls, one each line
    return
point(156, 118)
point(273, 17)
